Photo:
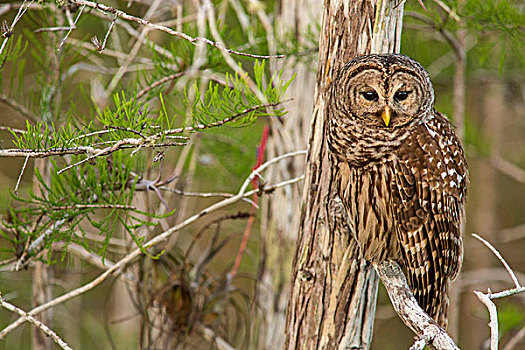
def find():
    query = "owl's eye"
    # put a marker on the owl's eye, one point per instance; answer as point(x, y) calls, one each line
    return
point(370, 95)
point(401, 95)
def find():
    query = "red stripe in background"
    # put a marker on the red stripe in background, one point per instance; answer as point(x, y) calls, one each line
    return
point(260, 158)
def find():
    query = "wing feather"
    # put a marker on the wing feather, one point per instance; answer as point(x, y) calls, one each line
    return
point(431, 180)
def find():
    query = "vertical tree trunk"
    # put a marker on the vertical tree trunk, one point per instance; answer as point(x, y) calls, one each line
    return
point(280, 211)
point(333, 293)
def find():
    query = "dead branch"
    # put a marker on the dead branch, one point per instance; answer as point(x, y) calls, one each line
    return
point(409, 310)
point(9, 31)
point(493, 315)
point(27, 317)
point(170, 31)
point(486, 298)
point(518, 337)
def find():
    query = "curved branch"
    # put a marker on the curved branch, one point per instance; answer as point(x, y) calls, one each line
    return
point(409, 310)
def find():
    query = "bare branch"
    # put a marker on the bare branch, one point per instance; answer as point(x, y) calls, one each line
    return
point(107, 35)
point(508, 168)
point(72, 26)
point(17, 107)
point(409, 310)
point(170, 31)
point(159, 82)
point(498, 255)
point(20, 176)
point(486, 298)
point(518, 337)
point(448, 10)
point(213, 338)
point(493, 324)
point(18, 16)
point(27, 317)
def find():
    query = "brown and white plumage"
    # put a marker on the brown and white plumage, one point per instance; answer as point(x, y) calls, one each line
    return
point(402, 172)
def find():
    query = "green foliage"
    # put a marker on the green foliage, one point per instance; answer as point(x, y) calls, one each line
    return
point(82, 190)
point(237, 99)
point(495, 26)
point(100, 193)
point(509, 317)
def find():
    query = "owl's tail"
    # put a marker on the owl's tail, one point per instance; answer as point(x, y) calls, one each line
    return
point(431, 294)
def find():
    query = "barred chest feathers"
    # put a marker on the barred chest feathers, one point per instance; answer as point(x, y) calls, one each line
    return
point(368, 194)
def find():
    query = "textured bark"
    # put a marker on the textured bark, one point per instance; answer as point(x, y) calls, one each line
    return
point(280, 212)
point(333, 292)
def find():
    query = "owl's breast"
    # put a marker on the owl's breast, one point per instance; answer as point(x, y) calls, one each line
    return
point(360, 145)
point(366, 192)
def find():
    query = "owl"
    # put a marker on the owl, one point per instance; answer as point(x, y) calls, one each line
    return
point(401, 172)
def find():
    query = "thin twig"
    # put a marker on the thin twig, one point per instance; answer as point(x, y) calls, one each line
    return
point(227, 54)
point(498, 255)
point(20, 176)
point(51, 29)
point(17, 107)
point(73, 26)
point(107, 35)
point(18, 16)
point(486, 298)
point(159, 82)
point(27, 317)
point(515, 340)
point(508, 168)
point(170, 31)
point(37, 245)
point(213, 338)
point(506, 293)
point(448, 10)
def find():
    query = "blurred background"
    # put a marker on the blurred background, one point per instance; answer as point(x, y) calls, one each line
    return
point(207, 290)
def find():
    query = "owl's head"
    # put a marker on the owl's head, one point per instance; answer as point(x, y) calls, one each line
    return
point(382, 91)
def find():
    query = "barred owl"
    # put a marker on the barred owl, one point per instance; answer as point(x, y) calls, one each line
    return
point(402, 175)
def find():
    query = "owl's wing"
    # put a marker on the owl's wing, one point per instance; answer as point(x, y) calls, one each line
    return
point(431, 180)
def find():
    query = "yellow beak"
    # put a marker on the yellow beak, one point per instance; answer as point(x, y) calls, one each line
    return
point(386, 115)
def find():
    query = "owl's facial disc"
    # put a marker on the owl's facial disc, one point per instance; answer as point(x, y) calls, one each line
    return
point(404, 97)
point(389, 101)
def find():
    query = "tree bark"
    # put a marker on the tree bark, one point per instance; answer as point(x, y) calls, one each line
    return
point(332, 304)
point(280, 212)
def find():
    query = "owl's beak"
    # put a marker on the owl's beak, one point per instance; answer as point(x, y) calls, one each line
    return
point(386, 115)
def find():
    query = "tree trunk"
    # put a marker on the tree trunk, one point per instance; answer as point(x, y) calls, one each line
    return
point(280, 212)
point(333, 293)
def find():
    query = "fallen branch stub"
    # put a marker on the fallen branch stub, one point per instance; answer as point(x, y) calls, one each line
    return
point(409, 310)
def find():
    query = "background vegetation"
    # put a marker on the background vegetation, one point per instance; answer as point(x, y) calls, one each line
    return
point(141, 128)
